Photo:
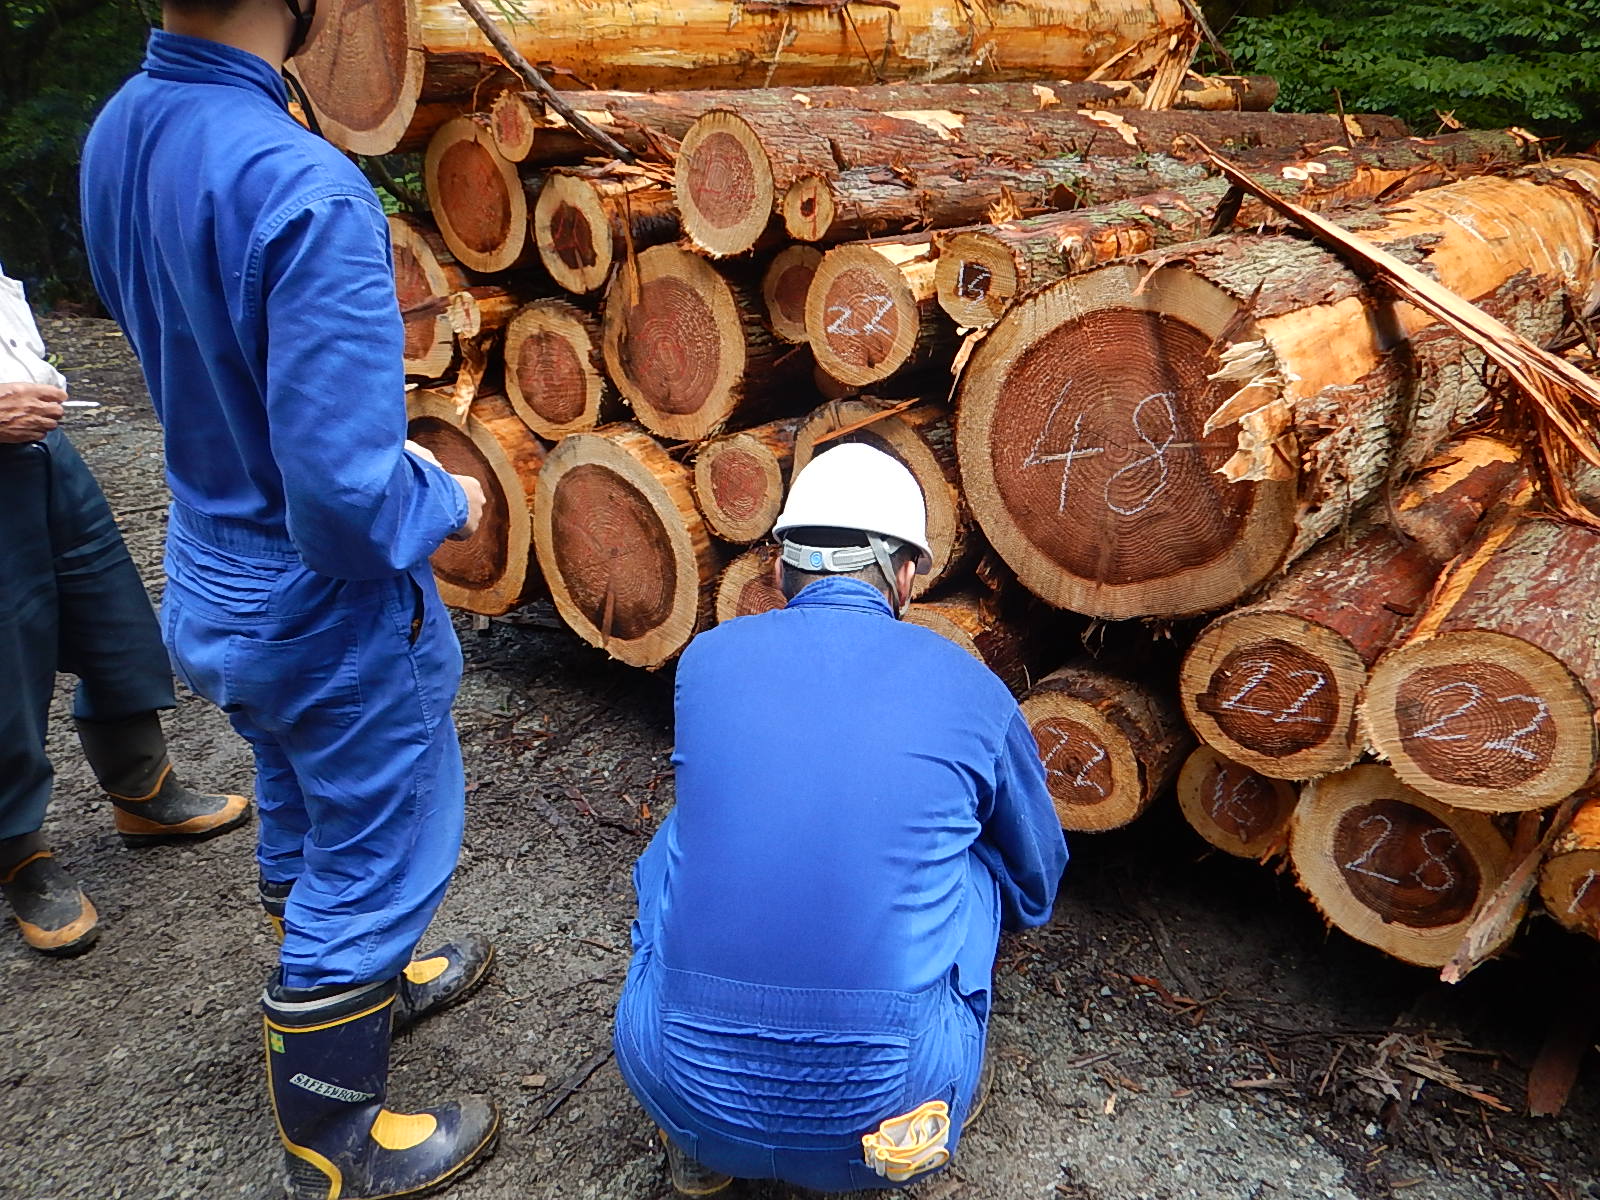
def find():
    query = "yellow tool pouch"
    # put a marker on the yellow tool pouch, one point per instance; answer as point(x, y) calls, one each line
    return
point(910, 1144)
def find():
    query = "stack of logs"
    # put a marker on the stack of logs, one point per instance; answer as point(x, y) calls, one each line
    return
point(1167, 407)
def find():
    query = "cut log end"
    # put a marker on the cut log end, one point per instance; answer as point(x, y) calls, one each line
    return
point(476, 196)
point(1235, 809)
point(573, 233)
point(1392, 867)
point(1084, 457)
point(784, 287)
point(724, 185)
point(746, 588)
point(861, 319)
point(970, 618)
point(809, 209)
point(425, 273)
point(738, 480)
point(1569, 881)
point(1482, 720)
point(363, 75)
point(514, 123)
point(555, 378)
point(977, 279)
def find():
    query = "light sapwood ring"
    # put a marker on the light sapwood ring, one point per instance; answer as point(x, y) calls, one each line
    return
point(1239, 811)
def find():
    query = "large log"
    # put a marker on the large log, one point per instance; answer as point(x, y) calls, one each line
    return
point(971, 618)
point(980, 271)
point(923, 438)
point(1569, 880)
point(492, 571)
point(1159, 436)
point(747, 586)
point(371, 65)
point(587, 219)
point(1274, 685)
point(1237, 810)
point(1491, 702)
point(739, 479)
point(477, 197)
point(688, 347)
point(1109, 744)
point(425, 276)
point(555, 373)
point(630, 564)
point(735, 168)
point(1392, 867)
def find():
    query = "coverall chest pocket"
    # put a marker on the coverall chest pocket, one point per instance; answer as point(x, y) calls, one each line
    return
point(304, 682)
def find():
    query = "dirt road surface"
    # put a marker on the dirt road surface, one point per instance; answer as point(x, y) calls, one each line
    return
point(1184, 1029)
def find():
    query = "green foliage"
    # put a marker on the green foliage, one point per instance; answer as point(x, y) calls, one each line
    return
point(1490, 63)
point(59, 61)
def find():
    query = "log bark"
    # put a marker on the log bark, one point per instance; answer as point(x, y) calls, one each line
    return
point(1109, 744)
point(1491, 702)
point(1274, 685)
point(980, 271)
point(376, 71)
point(923, 438)
point(555, 373)
point(492, 571)
point(1237, 810)
point(1392, 867)
point(1177, 426)
point(586, 220)
point(746, 586)
point(477, 197)
point(784, 286)
point(873, 311)
point(971, 618)
point(630, 564)
point(426, 274)
point(1569, 880)
point(688, 347)
point(739, 479)
point(735, 168)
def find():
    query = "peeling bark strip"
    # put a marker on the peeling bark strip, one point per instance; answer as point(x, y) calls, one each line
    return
point(377, 71)
point(492, 571)
point(688, 348)
point(784, 286)
point(629, 562)
point(980, 271)
point(739, 479)
point(425, 276)
point(971, 619)
point(923, 438)
point(1392, 867)
point(1109, 745)
point(1569, 881)
point(1492, 702)
point(555, 374)
point(872, 311)
point(476, 197)
point(1274, 685)
point(585, 219)
point(1233, 808)
point(1156, 437)
point(735, 167)
point(745, 587)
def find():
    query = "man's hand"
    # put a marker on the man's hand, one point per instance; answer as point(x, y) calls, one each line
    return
point(474, 490)
point(28, 411)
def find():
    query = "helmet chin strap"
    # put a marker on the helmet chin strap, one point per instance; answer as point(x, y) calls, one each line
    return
point(302, 24)
point(883, 552)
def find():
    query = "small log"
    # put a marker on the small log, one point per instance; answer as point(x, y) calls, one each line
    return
point(584, 222)
point(555, 372)
point(1274, 685)
point(477, 197)
point(1490, 703)
point(1394, 868)
point(873, 313)
point(735, 168)
point(492, 571)
point(922, 437)
point(1237, 810)
point(1569, 880)
point(426, 274)
point(980, 271)
point(630, 564)
point(971, 619)
point(1109, 744)
point(1157, 437)
point(746, 586)
point(739, 479)
point(688, 346)
point(784, 286)
point(484, 309)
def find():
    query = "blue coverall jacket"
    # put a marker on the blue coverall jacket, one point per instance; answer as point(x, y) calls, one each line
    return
point(248, 262)
point(860, 807)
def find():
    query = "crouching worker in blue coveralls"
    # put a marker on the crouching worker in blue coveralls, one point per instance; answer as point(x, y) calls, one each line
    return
point(860, 809)
point(248, 262)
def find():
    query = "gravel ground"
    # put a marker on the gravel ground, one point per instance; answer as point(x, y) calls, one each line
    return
point(1184, 1029)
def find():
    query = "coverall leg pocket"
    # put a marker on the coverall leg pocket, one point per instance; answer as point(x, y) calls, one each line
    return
point(290, 686)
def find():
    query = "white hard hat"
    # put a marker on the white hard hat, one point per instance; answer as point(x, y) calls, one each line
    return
point(856, 486)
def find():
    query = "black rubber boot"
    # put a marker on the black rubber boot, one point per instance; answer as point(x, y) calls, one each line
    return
point(430, 983)
point(129, 758)
point(55, 916)
point(689, 1176)
point(327, 1074)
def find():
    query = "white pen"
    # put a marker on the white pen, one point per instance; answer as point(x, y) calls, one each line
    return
point(80, 404)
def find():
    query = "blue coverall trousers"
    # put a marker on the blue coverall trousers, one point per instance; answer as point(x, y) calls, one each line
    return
point(343, 689)
point(70, 600)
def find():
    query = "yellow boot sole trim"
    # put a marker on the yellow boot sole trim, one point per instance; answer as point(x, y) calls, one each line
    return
point(59, 939)
point(127, 822)
point(402, 1131)
point(426, 970)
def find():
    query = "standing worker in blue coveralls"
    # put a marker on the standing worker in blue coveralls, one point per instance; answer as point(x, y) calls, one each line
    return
point(860, 808)
point(248, 261)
